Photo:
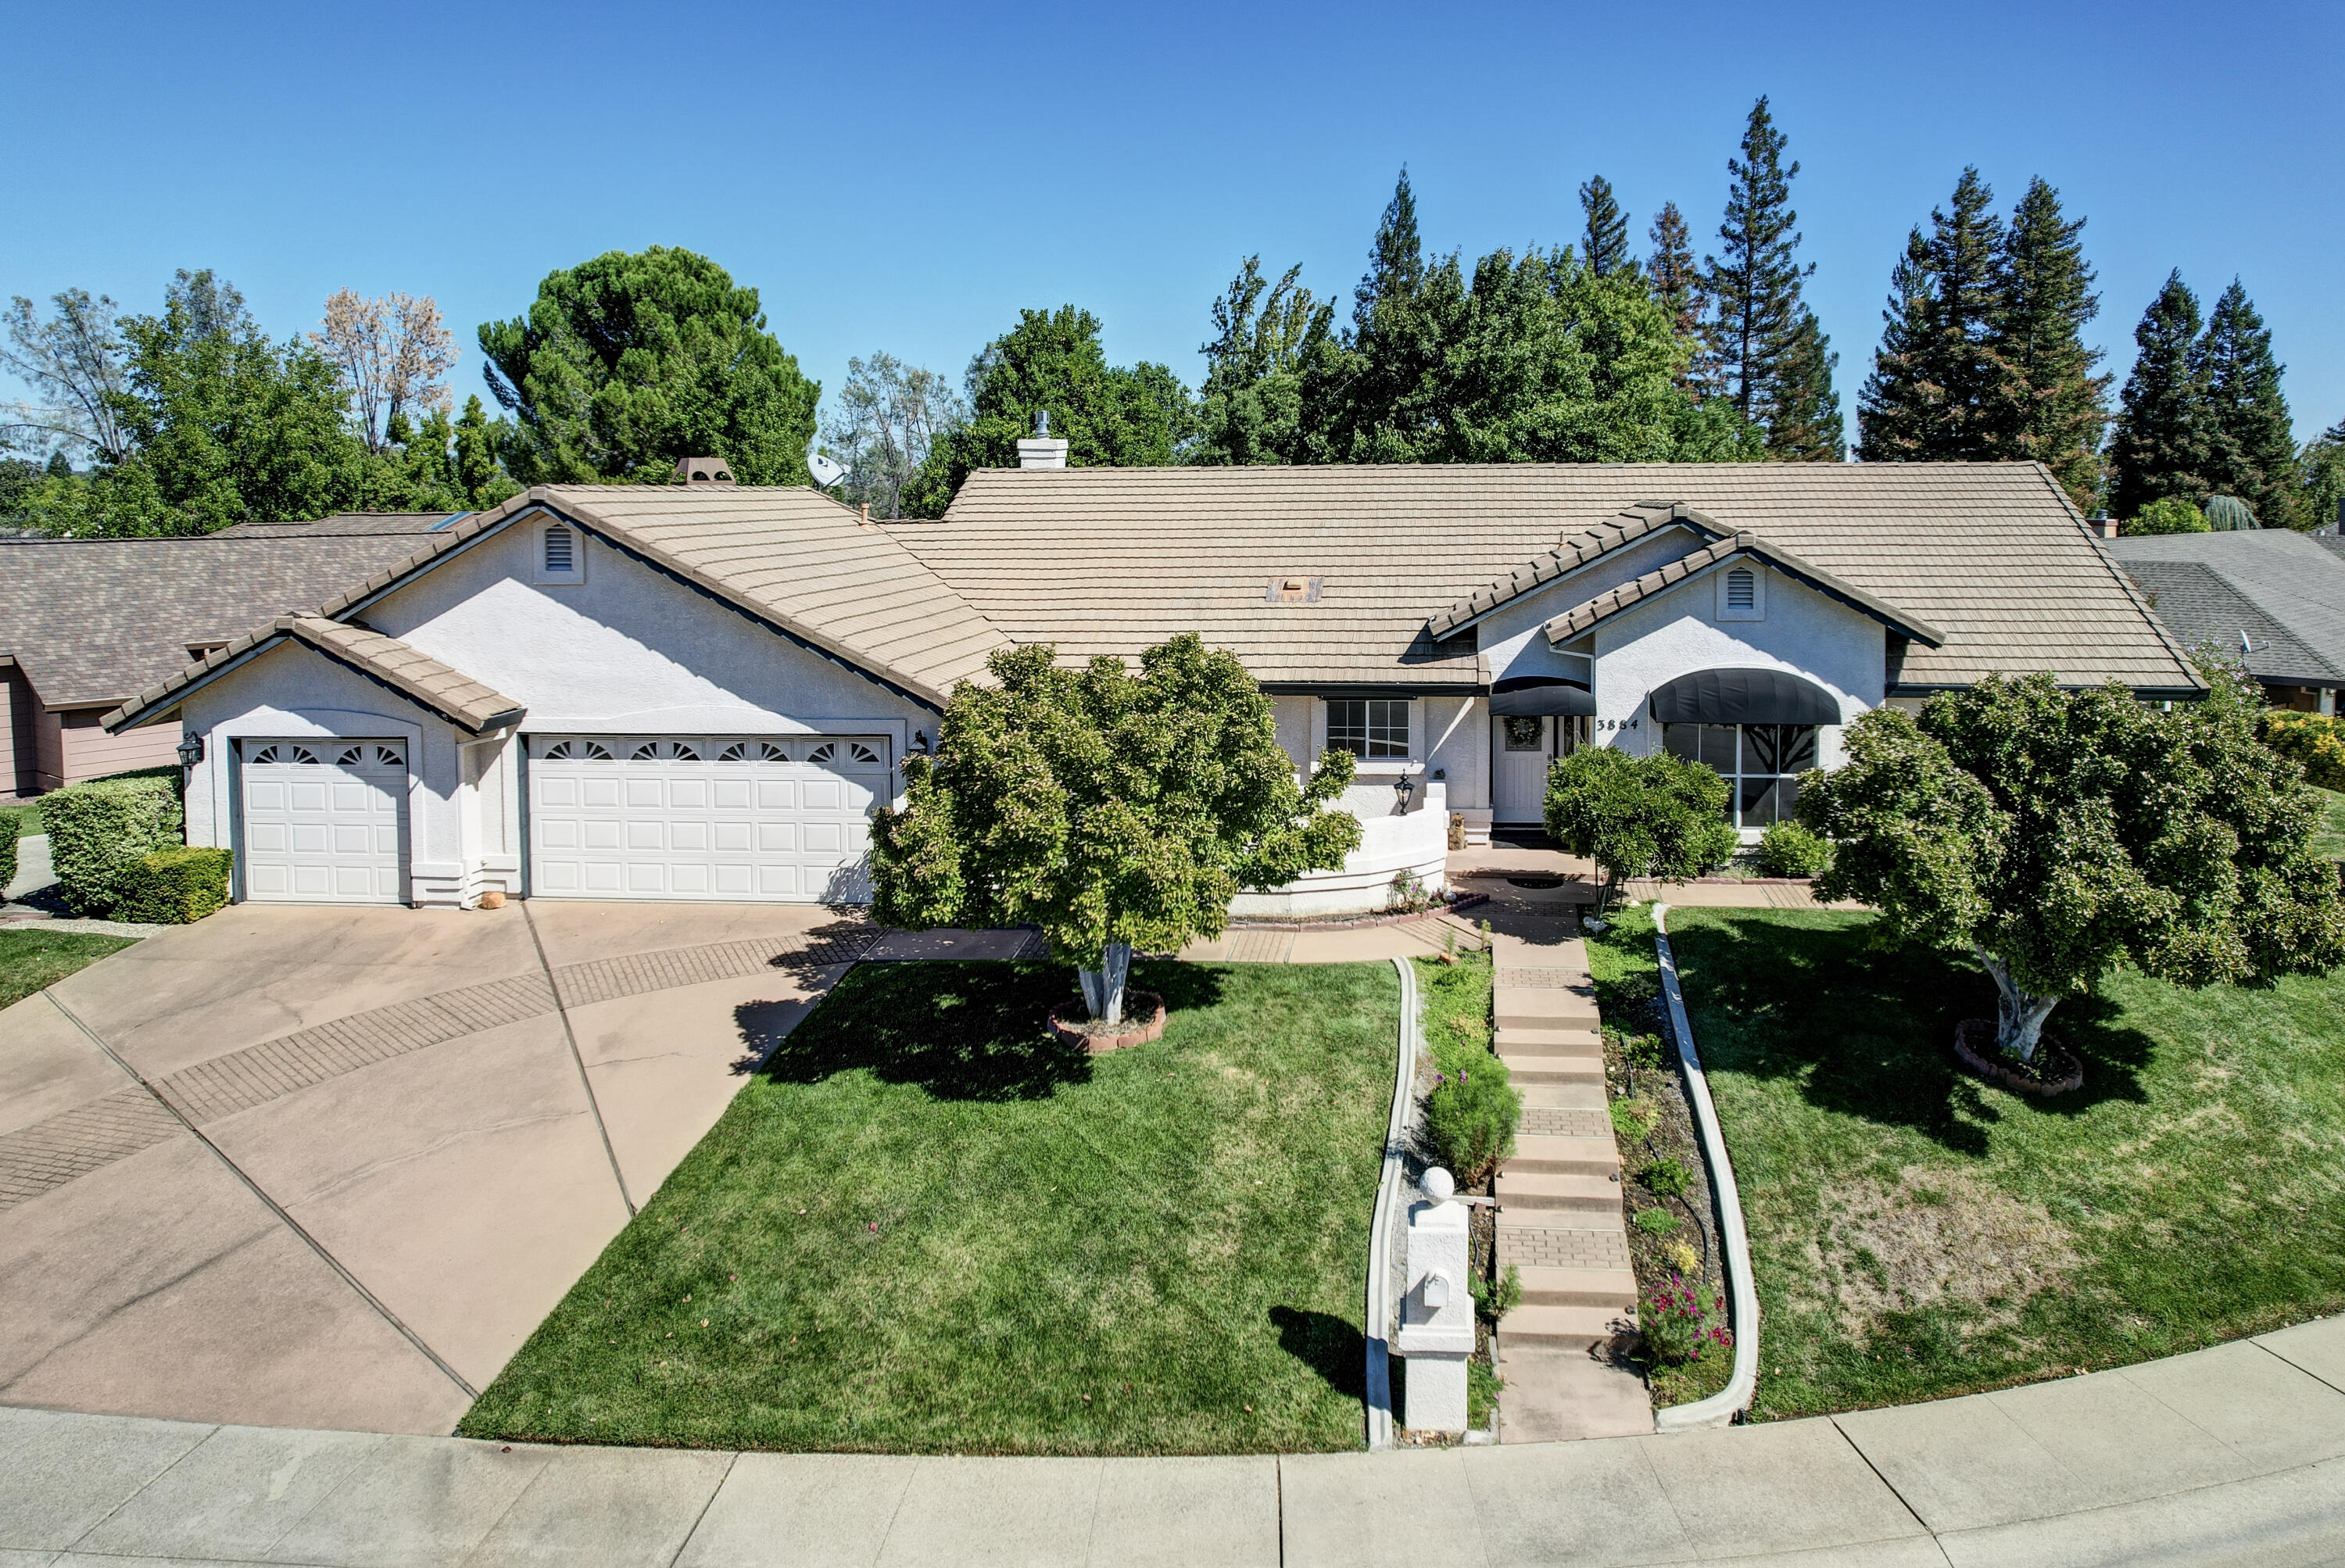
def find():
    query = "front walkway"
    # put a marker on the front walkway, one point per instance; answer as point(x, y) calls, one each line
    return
point(2231, 1455)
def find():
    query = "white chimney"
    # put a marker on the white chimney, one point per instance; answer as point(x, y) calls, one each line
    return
point(1040, 450)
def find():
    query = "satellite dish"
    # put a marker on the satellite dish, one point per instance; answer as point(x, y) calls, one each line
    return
point(825, 472)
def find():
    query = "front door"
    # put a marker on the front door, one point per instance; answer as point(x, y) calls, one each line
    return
point(1519, 750)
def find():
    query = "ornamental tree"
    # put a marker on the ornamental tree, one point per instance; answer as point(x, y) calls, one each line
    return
point(1657, 816)
point(2057, 834)
point(1112, 809)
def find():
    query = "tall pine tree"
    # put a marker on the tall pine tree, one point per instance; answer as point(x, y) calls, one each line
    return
point(2059, 408)
point(2251, 443)
point(1677, 285)
point(2160, 448)
point(1376, 402)
point(1755, 290)
point(1605, 240)
point(1940, 388)
point(1807, 426)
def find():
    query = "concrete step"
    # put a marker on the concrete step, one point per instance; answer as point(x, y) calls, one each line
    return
point(1563, 1328)
point(1526, 1007)
point(1574, 1191)
point(1573, 1096)
point(1529, 1070)
point(1544, 1152)
point(1572, 1041)
point(1613, 1289)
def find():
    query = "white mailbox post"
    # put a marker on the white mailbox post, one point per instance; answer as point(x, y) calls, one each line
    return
point(1437, 1316)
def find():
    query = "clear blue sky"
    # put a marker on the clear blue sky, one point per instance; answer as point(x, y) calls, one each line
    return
point(905, 177)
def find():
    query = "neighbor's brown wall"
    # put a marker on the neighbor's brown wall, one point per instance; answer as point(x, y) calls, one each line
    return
point(47, 750)
point(89, 752)
point(9, 787)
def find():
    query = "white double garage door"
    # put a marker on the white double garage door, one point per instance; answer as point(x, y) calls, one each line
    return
point(781, 819)
point(785, 819)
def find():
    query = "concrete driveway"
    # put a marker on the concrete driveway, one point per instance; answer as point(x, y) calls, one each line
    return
point(323, 1167)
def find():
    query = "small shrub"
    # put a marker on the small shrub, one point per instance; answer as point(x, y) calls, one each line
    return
point(1657, 816)
point(2314, 741)
point(1493, 1299)
point(1788, 849)
point(1635, 1119)
point(1408, 891)
point(1470, 1120)
point(99, 830)
point(174, 887)
point(1482, 1386)
point(1677, 1324)
point(1656, 1221)
point(1682, 1257)
point(1643, 1051)
point(1665, 1177)
point(11, 824)
point(2171, 515)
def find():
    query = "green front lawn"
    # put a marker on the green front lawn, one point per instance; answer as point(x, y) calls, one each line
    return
point(925, 1227)
point(1917, 1233)
point(30, 960)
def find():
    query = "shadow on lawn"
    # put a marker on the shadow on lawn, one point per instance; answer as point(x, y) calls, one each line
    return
point(960, 1031)
point(1327, 1345)
point(1868, 1030)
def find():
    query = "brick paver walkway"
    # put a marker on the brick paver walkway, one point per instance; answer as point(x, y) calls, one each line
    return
point(49, 1153)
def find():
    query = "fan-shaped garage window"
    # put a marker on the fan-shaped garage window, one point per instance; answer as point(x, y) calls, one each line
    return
point(350, 755)
point(753, 751)
point(284, 752)
point(858, 752)
point(663, 751)
point(827, 753)
point(579, 751)
point(390, 757)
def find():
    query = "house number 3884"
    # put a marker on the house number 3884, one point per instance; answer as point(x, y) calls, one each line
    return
point(1615, 724)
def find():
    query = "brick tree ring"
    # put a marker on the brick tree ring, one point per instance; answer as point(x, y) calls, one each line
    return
point(1974, 1044)
point(1070, 1026)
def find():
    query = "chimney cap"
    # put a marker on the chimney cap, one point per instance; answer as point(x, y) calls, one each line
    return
point(703, 471)
point(1042, 423)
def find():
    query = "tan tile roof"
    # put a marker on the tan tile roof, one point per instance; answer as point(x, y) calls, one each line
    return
point(1104, 560)
point(1582, 618)
point(406, 669)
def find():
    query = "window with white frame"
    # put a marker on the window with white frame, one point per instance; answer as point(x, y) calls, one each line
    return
point(1761, 764)
point(1369, 727)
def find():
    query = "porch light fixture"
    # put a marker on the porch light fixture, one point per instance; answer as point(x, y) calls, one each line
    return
point(920, 743)
point(1402, 785)
point(192, 751)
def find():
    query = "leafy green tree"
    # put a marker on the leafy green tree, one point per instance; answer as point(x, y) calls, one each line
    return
point(2321, 473)
point(1657, 816)
point(889, 417)
point(2167, 514)
point(1250, 407)
point(1756, 290)
point(1677, 289)
point(1114, 811)
point(2251, 440)
point(627, 363)
point(1604, 239)
point(480, 479)
point(2057, 834)
point(1110, 416)
point(2059, 404)
point(2161, 446)
point(1940, 387)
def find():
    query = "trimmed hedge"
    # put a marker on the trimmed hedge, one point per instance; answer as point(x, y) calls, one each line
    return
point(174, 887)
point(11, 823)
point(1788, 849)
point(2312, 740)
point(99, 830)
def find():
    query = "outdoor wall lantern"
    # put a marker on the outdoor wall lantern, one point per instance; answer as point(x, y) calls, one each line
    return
point(192, 751)
point(920, 742)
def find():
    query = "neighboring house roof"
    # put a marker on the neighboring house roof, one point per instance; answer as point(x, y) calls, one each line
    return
point(342, 524)
point(1580, 619)
point(387, 661)
point(2285, 591)
point(1103, 560)
point(91, 621)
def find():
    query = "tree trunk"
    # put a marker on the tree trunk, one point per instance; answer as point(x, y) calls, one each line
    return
point(2019, 1014)
point(1104, 986)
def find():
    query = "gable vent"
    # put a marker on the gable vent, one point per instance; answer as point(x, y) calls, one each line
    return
point(1741, 589)
point(561, 550)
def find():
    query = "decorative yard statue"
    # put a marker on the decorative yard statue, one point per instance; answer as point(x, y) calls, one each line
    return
point(2057, 834)
point(1114, 811)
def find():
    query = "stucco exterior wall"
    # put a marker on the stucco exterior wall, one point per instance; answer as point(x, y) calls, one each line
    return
point(629, 651)
point(1513, 636)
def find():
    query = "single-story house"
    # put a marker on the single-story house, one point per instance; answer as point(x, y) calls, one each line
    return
point(2273, 598)
point(700, 690)
point(86, 624)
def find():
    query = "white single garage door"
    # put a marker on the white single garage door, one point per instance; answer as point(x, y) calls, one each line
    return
point(325, 821)
point(782, 820)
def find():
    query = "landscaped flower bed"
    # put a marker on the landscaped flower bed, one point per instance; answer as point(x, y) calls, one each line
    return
point(1478, 1113)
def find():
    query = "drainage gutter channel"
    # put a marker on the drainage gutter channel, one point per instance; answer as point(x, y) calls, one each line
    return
point(1383, 1226)
point(1742, 1294)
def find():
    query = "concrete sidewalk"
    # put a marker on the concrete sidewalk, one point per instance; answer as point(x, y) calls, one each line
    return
point(2229, 1455)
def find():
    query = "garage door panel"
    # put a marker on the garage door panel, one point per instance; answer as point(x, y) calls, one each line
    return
point(324, 821)
point(685, 817)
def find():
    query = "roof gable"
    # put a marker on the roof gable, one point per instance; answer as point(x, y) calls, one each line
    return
point(1584, 548)
point(399, 666)
point(1583, 618)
